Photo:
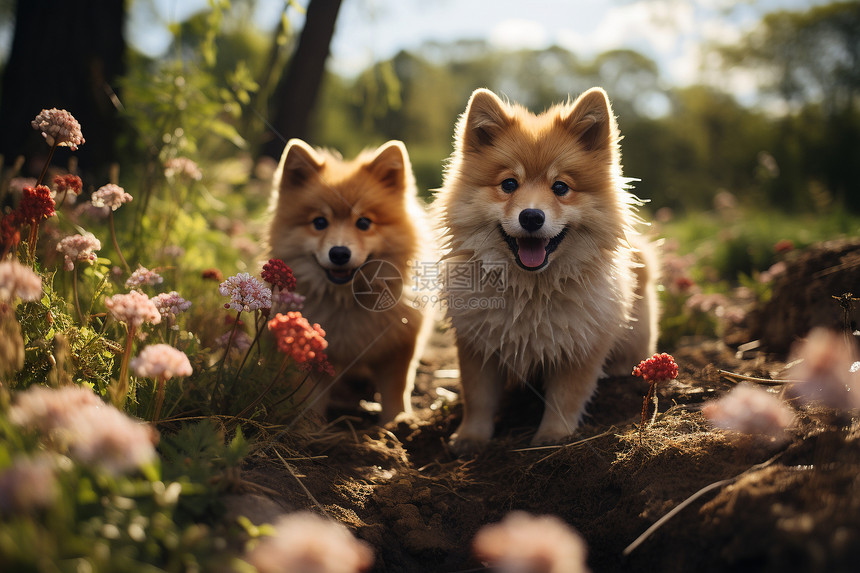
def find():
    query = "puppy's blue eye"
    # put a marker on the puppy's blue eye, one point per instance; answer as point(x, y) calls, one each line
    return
point(319, 223)
point(560, 188)
point(363, 223)
point(509, 185)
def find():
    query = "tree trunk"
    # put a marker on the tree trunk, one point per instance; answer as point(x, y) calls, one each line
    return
point(297, 91)
point(65, 55)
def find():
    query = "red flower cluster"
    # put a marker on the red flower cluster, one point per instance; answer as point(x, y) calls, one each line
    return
point(10, 234)
point(68, 184)
point(36, 204)
point(278, 274)
point(657, 368)
point(783, 246)
point(212, 275)
point(296, 337)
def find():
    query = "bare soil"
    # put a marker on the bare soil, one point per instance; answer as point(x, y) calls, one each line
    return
point(793, 506)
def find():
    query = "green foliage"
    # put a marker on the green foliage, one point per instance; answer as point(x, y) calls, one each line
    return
point(84, 518)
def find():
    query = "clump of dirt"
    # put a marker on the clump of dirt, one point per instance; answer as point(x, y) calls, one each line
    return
point(803, 294)
point(754, 504)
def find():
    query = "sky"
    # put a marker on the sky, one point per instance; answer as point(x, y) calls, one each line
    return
point(672, 32)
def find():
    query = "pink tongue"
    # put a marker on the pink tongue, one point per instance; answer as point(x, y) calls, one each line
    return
point(532, 252)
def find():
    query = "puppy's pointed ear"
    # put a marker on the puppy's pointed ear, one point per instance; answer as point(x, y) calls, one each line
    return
point(591, 120)
point(390, 165)
point(485, 117)
point(299, 163)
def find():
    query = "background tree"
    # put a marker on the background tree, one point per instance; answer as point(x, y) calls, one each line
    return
point(298, 89)
point(65, 55)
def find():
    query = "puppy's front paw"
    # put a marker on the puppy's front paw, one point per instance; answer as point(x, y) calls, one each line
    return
point(465, 445)
point(547, 437)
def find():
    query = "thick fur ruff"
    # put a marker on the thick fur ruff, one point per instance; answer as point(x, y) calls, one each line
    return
point(579, 299)
point(321, 205)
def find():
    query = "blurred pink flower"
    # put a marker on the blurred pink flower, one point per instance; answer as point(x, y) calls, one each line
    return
point(531, 544)
point(110, 195)
point(169, 304)
point(246, 293)
point(73, 419)
point(750, 410)
point(143, 276)
point(107, 438)
point(182, 167)
point(44, 409)
point(707, 302)
point(241, 343)
point(59, 127)
point(284, 301)
point(28, 484)
point(774, 271)
point(133, 308)
point(161, 361)
point(78, 248)
point(17, 280)
point(304, 542)
point(824, 362)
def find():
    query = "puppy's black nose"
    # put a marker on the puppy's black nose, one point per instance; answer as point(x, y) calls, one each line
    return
point(531, 219)
point(339, 255)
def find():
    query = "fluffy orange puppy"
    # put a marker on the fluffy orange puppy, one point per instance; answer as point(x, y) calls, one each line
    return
point(543, 197)
point(349, 230)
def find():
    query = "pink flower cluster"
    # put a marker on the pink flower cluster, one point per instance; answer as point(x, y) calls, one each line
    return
point(142, 276)
point(296, 337)
point(824, 366)
point(110, 195)
point(161, 361)
point(285, 300)
point(750, 410)
point(74, 420)
point(278, 274)
point(657, 368)
point(59, 127)
point(246, 293)
point(78, 248)
point(133, 308)
point(304, 541)
point(522, 542)
point(28, 484)
point(182, 167)
point(17, 280)
point(169, 304)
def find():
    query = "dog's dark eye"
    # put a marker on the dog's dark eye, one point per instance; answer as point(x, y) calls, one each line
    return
point(363, 223)
point(509, 185)
point(560, 188)
point(320, 223)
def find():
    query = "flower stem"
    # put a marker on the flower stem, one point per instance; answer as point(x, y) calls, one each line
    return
point(75, 291)
point(651, 385)
point(159, 398)
point(47, 163)
point(245, 358)
point(224, 360)
point(268, 388)
point(121, 390)
point(116, 244)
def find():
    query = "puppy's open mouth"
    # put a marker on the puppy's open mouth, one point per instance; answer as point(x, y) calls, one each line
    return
point(532, 253)
point(340, 276)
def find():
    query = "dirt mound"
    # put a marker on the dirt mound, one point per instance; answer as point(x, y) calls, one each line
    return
point(803, 295)
point(792, 507)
